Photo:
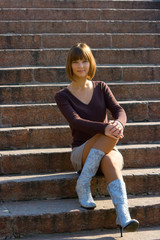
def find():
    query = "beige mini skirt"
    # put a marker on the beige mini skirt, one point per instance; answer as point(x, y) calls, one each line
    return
point(76, 156)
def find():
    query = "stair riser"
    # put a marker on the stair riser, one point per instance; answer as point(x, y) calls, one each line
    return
point(139, 112)
point(50, 75)
point(45, 94)
point(25, 94)
point(65, 187)
point(141, 134)
point(61, 136)
point(65, 41)
point(83, 220)
point(49, 114)
point(50, 162)
point(30, 116)
point(35, 163)
point(6, 230)
point(140, 157)
point(56, 57)
point(78, 27)
point(134, 185)
point(79, 4)
point(136, 91)
point(78, 14)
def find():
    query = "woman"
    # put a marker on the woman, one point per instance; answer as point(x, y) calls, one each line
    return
point(83, 103)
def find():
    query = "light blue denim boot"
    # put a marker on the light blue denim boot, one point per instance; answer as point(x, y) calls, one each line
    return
point(117, 191)
point(83, 183)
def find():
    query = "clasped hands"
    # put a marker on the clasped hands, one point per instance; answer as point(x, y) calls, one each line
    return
point(114, 129)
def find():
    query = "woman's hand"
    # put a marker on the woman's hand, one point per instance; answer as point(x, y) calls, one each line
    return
point(114, 129)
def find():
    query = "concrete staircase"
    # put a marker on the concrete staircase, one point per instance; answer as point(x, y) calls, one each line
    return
point(37, 182)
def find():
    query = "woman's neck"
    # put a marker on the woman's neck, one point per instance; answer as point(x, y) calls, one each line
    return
point(80, 84)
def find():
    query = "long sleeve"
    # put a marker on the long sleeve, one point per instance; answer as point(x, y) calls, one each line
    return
point(73, 118)
point(116, 110)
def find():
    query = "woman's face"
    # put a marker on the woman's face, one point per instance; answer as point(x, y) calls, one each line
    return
point(80, 68)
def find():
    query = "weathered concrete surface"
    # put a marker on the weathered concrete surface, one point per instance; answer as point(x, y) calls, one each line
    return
point(65, 215)
point(150, 233)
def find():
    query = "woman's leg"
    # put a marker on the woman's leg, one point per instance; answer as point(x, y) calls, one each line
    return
point(112, 162)
point(117, 191)
point(88, 171)
point(111, 165)
point(90, 167)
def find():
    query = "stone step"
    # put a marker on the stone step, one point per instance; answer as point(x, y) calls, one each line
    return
point(148, 233)
point(44, 93)
point(57, 56)
point(78, 14)
point(28, 217)
point(36, 161)
point(98, 40)
point(80, 4)
point(62, 185)
point(78, 26)
point(49, 114)
point(109, 73)
point(60, 136)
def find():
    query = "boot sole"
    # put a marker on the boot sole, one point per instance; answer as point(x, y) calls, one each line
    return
point(90, 208)
point(131, 227)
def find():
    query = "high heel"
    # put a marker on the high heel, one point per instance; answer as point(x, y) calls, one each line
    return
point(130, 227)
point(121, 231)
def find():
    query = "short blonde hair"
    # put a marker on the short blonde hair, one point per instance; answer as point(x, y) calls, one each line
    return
point(80, 51)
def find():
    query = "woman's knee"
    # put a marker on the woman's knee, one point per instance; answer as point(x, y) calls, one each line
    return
point(112, 160)
point(105, 143)
point(101, 142)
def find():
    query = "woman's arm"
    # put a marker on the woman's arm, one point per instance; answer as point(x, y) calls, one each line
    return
point(116, 110)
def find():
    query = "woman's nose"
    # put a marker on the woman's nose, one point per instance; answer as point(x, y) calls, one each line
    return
point(80, 64)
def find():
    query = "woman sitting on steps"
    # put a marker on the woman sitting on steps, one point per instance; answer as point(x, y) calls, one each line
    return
point(83, 103)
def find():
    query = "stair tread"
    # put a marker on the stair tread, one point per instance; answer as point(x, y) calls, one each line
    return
point(70, 175)
point(41, 150)
point(67, 126)
point(78, 34)
point(148, 233)
point(94, 9)
point(68, 149)
point(81, 20)
point(98, 66)
point(21, 105)
point(67, 83)
point(39, 207)
point(93, 49)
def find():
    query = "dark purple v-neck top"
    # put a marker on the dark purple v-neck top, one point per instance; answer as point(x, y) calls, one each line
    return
point(86, 120)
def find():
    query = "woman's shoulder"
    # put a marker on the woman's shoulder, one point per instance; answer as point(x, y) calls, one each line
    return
point(99, 84)
point(61, 93)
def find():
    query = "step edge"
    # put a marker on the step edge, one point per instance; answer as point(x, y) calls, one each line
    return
point(131, 172)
